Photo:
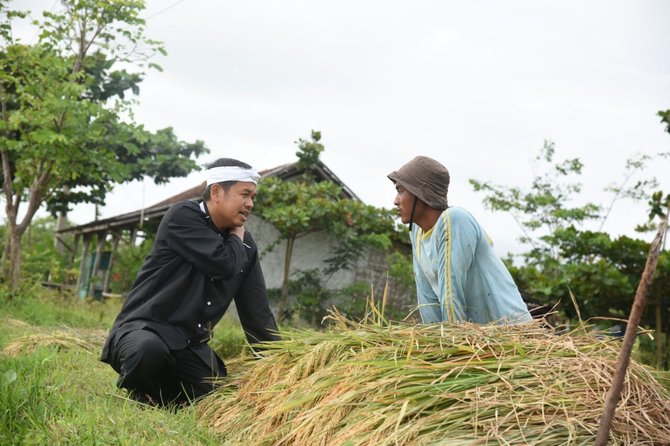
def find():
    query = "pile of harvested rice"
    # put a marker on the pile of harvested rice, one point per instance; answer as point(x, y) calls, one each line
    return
point(14, 323)
point(90, 340)
point(464, 384)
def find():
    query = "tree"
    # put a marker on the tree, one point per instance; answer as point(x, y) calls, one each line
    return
point(545, 208)
point(61, 106)
point(138, 152)
point(665, 119)
point(565, 261)
point(305, 206)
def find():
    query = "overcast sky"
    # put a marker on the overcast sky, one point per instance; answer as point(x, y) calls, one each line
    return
point(477, 85)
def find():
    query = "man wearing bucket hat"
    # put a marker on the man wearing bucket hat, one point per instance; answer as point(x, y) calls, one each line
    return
point(458, 275)
point(201, 260)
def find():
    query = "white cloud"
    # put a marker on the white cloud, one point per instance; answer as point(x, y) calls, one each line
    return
point(477, 85)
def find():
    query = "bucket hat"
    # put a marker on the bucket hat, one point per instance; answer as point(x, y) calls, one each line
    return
point(426, 179)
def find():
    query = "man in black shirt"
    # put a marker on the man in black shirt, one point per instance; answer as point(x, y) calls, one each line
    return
point(202, 259)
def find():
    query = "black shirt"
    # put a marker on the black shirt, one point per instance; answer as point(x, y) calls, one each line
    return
point(187, 282)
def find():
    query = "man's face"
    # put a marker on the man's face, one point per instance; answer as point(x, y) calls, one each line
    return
point(403, 202)
point(231, 209)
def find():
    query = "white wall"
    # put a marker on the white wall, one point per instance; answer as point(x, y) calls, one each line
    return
point(309, 252)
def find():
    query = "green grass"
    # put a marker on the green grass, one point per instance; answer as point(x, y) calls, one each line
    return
point(68, 397)
point(53, 309)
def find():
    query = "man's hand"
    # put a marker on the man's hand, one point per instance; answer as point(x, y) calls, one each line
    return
point(238, 231)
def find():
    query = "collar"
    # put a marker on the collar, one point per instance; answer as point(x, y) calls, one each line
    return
point(203, 208)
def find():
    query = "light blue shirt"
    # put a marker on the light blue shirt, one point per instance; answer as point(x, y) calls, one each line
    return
point(458, 275)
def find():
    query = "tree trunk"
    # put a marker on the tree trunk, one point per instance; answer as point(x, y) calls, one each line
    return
point(287, 267)
point(10, 211)
point(11, 267)
point(15, 230)
point(15, 233)
point(14, 260)
point(4, 259)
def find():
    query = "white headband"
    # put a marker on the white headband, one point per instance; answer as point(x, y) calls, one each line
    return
point(231, 173)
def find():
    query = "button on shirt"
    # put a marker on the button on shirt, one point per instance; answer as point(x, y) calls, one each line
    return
point(189, 279)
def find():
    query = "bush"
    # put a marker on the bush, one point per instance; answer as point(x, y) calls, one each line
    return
point(127, 263)
point(40, 261)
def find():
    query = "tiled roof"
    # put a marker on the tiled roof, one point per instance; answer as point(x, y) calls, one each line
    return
point(131, 220)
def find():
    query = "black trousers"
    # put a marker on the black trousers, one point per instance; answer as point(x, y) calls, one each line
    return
point(154, 374)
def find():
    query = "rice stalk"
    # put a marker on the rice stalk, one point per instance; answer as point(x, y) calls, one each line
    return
point(382, 383)
point(89, 340)
point(14, 323)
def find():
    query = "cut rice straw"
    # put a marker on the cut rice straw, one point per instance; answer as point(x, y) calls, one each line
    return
point(387, 383)
point(89, 340)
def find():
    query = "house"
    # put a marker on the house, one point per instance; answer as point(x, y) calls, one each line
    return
point(309, 252)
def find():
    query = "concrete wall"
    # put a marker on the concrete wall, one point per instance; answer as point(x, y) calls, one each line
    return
point(312, 250)
point(309, 252)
